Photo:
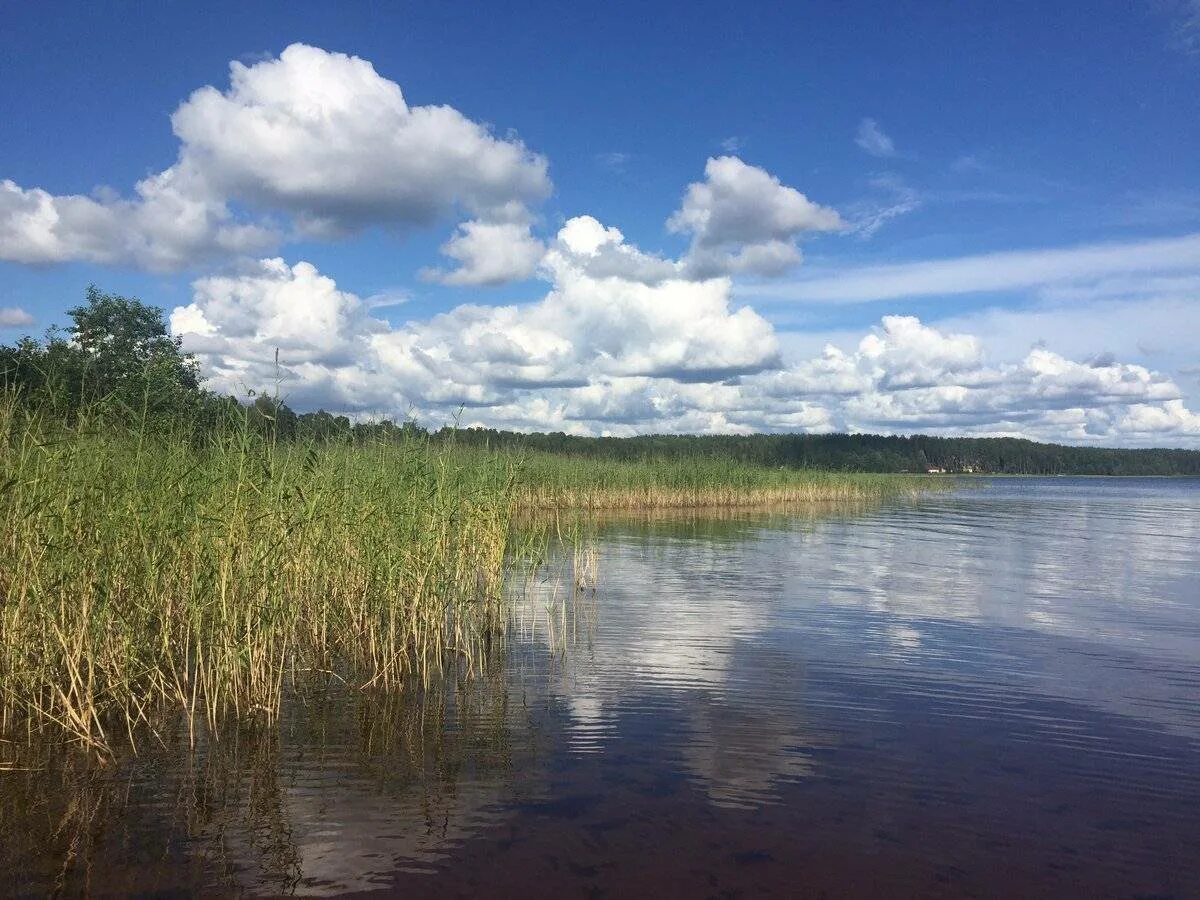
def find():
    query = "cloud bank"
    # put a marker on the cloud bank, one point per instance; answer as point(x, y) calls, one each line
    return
point(606, 352)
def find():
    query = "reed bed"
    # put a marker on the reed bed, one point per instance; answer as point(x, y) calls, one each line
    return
point(145, 575)
point(141, 572)
point(559, 482)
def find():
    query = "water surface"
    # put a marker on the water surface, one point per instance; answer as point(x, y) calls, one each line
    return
point(993, 692)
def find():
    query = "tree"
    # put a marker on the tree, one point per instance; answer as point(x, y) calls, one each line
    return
point(127, 344)
point(117, 358)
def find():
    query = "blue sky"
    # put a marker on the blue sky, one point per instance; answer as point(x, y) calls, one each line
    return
point(934, 133)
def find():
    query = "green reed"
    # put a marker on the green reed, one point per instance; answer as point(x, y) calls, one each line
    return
point(141, 571)
point(549, 481)
point(146, 572)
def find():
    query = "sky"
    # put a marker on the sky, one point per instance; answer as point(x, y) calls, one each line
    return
point(960, 219)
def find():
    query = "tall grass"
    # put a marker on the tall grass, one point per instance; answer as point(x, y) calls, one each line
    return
point(560, 482)
point(138, 572)
point(145, 573)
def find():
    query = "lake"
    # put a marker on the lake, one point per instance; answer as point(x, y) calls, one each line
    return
point(989, 692)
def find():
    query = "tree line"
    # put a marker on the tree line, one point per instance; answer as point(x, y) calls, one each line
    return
point(861, 452)
point(119, 357)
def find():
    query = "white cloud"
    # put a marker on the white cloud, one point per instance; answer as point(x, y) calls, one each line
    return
point(908, 354)
point(1162, 327)
point(14, 317)
point(318, 137)
point(1150, 422)
point(922, 379)
point(168, 226)
point(991, 272)
point(607, 354)
point(318, 145)
point(324, 137)
point(870, 137)
point(1152, 321)
point(614, 160)
point(236, 322)
point(743, 219)
point(903, 377)
point(388, 298)
point(490, 253)
point(968, 164)
point(601, 252)
point(588, 327)
point(584, 236)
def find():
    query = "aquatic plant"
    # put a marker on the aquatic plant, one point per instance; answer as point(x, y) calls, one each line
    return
point(150, 570)
point(548, 481)
point(138, 571)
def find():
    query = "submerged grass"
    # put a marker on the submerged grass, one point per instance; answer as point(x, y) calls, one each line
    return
point(143, 575)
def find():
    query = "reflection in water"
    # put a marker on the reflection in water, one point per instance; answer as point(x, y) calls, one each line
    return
point(989, 692)
point(680, 616)
point(347, 788)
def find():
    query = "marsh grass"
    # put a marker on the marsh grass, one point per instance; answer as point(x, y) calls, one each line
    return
point(548, 481)
point(140, 571)
point(146, 574)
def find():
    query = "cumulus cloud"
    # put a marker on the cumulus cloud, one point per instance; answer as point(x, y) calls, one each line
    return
point(918, 378)
point(1161, 327)
point(236, 322)
point(602, 252)
point(870, 138)
point(907, 354)
point(589, 327)
point(319, 145)
point(170, 224)
point(743, 219)
point(489, 253)
point(324, 137)
point(14, 317)
point(616, 353)
point(318, 138)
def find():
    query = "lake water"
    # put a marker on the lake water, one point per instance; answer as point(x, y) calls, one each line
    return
point(993, 692)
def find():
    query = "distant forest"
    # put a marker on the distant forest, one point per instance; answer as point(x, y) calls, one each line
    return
point(861, 452)
point(118, 358)
point(838, 452)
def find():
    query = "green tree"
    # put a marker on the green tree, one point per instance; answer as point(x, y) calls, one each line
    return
point(127, 345)
point(117, 358)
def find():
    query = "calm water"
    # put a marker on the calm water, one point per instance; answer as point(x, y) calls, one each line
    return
point(994, 692)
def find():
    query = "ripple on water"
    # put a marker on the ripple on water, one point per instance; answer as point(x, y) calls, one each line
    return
point(919, 698)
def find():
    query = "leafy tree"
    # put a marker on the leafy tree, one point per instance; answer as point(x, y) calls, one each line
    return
point(127, 344)
point(118, 359)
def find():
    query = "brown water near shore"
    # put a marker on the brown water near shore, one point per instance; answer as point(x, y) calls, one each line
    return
point(994, 692)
